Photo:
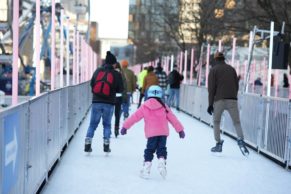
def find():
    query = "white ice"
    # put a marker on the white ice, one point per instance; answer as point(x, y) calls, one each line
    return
point(192, 168)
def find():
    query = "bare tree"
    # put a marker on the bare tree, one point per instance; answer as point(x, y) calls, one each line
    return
point(190, 23)
point(262, 12)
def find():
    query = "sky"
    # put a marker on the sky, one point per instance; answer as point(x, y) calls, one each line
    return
point(112, 17)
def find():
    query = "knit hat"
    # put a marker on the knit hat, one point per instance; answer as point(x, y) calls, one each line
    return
point(159, 67)
point(124, 63)
point(110, 58)
point(219, 56)
point(150, 69)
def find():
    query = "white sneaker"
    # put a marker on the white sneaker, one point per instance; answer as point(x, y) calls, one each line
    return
point(146, 170)
point(162, 167)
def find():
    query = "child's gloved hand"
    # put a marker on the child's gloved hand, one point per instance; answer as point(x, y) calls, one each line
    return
point(123, 131)
point(182, 134)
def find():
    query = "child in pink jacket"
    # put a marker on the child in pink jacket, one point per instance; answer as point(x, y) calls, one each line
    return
point(156, 116)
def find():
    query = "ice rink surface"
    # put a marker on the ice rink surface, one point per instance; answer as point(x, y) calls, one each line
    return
point(192, 168)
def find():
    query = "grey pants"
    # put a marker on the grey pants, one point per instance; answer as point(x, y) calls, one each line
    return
point(232, 108)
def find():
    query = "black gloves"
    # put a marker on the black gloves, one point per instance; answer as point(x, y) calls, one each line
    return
point(210, 109)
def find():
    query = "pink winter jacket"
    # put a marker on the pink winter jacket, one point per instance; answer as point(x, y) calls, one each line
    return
point(155, 118)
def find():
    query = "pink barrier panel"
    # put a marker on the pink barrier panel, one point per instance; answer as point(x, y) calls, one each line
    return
point(181, 62)
point(37, 48)
point(192, 66)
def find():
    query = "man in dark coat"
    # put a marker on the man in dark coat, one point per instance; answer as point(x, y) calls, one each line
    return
point(103, 101)
point(222, 90)
point(175, 79)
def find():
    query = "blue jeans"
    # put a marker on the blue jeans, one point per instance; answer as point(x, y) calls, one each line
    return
point(99, 110)
point(155, 144)
point(126, 105)
point(174, 93)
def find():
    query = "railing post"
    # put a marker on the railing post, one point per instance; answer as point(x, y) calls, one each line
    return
point(68, 53)
point(268, 101)
point(53, 45)
point(172, 63)
point(192, 66)
point(207, 65)
point(62, 50)
point(37, 48)
point(261, 123)
point(185, 67)
point(15, 52)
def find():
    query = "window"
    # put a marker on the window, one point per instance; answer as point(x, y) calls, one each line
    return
point(230, 4)
point(219, 13)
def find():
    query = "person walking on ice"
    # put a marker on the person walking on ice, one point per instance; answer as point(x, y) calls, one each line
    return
point(222, 95)
point(156, 116)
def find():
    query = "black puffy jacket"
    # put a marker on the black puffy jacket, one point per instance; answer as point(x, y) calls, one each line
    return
point(175, 79)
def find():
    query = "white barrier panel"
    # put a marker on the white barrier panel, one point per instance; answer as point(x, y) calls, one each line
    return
point(266, 122)
point(197, 101)
point(8, 99)
point(37, 143)
point(53, 128)
point(64, 116)
point(13, 150)
point(204, 105)
point(275, 136)
point(34, 135)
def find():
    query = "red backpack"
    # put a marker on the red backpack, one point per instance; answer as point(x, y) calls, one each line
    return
point(103, 83)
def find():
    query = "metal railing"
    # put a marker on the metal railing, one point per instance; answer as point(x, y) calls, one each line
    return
point(266, 122)
point(35, 132)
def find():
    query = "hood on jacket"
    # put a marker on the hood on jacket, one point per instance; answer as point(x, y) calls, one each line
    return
point(153, 104)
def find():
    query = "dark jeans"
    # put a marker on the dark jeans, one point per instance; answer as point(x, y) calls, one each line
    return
point(117, 111)
point(141, 95)
point(126, 105)
point(155, 144)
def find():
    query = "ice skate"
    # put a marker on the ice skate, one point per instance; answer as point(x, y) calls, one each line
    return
point(88, 142)
point(218, 147)
point(145, 171)
point(106, 146)
point(162, 167)
point(242, 147)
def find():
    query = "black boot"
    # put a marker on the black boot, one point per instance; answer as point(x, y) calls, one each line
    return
point(242, 146)
point(217, 147)
point(88, 147)
point(106, 146)
point(116, 131)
